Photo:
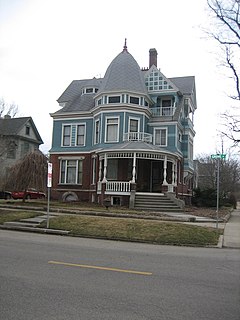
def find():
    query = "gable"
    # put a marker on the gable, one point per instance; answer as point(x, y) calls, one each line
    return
point(155, 81)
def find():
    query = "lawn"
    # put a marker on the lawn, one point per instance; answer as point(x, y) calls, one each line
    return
point(8, 215)
point(158, 232)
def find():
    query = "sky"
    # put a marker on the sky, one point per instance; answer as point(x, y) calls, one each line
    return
point(46, 44)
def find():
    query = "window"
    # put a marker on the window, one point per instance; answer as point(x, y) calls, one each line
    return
point(133, 125)
point(74, 135)
point(80, 135)
point(27, 130)
point(114, 99)
point(134, 100)
point(11, 150)
point(160, 137)
point(66, 135)
point(71, 172)
point(97, 135)
point(111, 130)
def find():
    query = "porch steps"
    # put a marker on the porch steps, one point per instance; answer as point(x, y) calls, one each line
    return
point(155, 202)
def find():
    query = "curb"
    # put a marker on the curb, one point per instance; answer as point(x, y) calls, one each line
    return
point(37, 230)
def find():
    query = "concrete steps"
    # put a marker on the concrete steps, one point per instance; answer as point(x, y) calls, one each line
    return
point(155, 202)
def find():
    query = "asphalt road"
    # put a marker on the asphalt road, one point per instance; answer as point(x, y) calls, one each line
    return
point(63, 278)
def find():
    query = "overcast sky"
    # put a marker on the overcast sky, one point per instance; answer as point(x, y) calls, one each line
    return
point(45, 44)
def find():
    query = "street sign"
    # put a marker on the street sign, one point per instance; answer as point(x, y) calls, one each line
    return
point(49, 180)
point(218, 156)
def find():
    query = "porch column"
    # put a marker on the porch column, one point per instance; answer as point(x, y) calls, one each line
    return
point(105, 169)
point(134, 169)
point(173, 173)
point(165, 171)
point(100, 171)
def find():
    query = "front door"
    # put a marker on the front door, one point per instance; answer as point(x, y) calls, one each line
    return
point(156, 176)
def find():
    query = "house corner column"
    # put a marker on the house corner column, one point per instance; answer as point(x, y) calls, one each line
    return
point(134, 169)
point(165, 171)
point(105, 169)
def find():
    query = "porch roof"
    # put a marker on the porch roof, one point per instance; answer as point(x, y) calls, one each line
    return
point(138, 146)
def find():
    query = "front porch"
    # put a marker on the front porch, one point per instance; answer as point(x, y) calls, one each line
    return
point(123, 174)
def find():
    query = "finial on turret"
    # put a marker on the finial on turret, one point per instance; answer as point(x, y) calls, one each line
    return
point(125, 46)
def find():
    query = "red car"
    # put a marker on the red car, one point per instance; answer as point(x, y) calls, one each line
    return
point(30, 194)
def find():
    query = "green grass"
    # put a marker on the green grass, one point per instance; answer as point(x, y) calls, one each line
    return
point(7, 215)
point(137, 230)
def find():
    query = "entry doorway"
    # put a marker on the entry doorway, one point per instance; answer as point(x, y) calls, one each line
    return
point(156, 176)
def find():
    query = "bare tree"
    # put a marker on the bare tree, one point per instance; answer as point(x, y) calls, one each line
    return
point(226, 31)
point(229, 174)
point(30, 172)
point(8, 109)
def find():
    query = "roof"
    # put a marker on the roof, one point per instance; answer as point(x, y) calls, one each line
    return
point(125, 74)
point(130, 146)
point(12, 126)
point(185, 84)
point(75, 87)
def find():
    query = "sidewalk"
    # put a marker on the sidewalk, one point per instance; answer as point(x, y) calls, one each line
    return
point(231, 236)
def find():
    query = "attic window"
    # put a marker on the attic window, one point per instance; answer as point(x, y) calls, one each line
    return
point(27, 130)
point(89, 90)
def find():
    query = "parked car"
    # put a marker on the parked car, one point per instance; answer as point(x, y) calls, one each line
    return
point(30, 194)
point(5, 195)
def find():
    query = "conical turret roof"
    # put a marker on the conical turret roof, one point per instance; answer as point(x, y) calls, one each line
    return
point(123, 74)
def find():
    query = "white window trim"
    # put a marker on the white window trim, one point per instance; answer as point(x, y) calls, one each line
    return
point(154, 137)
point(95, 127)
point(133, 118)
point(71, 133)
point(65, 173)
point(66, 125)
point(84, 143)
point(106, 120)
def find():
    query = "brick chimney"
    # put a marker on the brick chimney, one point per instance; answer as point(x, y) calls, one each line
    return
point(152, 57)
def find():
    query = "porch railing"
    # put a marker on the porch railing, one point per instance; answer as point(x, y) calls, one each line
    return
point(163, 111)
point(137, 136)
point(118, 186)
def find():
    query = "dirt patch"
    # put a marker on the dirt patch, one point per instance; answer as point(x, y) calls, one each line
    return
point(223, 213)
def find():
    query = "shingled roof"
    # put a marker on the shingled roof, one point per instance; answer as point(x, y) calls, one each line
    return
point(123, 73)
point(12, 126)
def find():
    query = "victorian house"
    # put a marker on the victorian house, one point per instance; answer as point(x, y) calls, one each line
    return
point(125, 136)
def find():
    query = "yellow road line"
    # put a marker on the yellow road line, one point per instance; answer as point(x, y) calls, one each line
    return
point(100, 268)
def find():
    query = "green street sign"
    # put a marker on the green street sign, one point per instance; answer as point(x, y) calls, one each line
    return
point(218, 156)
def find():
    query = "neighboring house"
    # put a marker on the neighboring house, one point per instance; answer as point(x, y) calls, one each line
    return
point(18, 136)
point(126, 134)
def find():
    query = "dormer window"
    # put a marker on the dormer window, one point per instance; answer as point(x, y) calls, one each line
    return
point(89, 90)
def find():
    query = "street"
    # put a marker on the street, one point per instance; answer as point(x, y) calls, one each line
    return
point(55, 277)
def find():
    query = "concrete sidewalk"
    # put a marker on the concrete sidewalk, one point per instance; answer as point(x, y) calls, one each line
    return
point(231, 235)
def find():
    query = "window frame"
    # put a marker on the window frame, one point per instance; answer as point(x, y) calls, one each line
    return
point(73, 135)
point(160, 138)
point(106, 129)
point(63, 172)
point(96, 137)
